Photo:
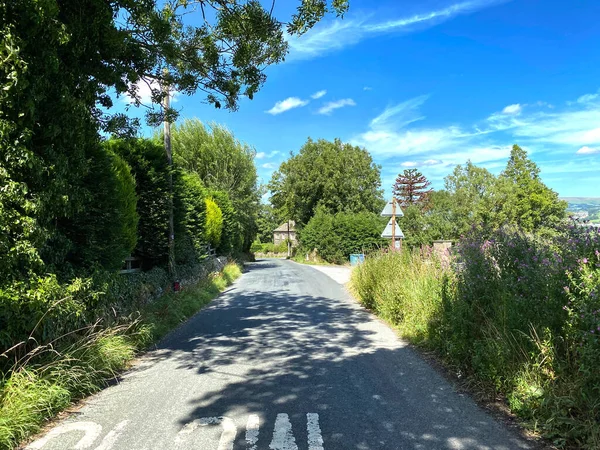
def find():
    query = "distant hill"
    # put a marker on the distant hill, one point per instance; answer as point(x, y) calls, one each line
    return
point(585, 207)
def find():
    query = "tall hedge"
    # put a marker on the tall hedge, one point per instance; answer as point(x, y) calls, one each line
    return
point(214, 223)
point(190, 218)
point(151, 171)
point(104, 231)
point(232, 237)
point(336, 236)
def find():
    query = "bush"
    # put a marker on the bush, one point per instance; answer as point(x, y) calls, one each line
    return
point(190, 218)
point(104, 231)
point(214, 223)
point(232, 236)
point(337, 236)
point(517, 312)
point(151, 171)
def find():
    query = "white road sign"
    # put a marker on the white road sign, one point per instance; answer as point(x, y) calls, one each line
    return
point(387, 233)
point(389, 209)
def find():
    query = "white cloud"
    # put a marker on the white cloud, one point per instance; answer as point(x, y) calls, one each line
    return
point(587, 98)
point(286, 105)
point(367, 88)
point(585, 150)
point(548, 134)
point(145, 88)
point(269, 166)
point(318, 94)
point(328, 108)
point(512, 109)
point(339, 34)
point(263, 155)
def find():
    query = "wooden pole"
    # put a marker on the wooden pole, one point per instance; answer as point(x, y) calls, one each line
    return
point(167, 142)
point(393, 224)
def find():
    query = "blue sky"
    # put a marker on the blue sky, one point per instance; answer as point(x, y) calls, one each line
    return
point(433, 83)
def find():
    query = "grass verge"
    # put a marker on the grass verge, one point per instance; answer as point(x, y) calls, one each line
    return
point(49, 378)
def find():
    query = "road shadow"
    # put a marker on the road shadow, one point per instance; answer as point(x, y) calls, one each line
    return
point(280, 352)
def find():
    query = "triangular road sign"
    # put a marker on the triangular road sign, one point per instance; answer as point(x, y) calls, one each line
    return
point(387, 233)
point(388, 210)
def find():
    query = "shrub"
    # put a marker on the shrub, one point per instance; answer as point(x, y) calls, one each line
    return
point(214, 223)
point(190, 218)
point(517, 312)
point(232, 236)
point(104, 231)
point(151, 172)
point(337, 236)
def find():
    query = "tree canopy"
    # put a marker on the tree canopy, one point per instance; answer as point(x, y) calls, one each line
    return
point(412, 188)
point(338, 177)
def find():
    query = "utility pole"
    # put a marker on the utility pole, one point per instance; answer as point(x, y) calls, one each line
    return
point(167, 141)
point(288, 240)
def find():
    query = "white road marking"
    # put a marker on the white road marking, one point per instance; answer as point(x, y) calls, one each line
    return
point(252, 430)
point(91, 432)
point(227, 436)
point(315, 440)
point(283, 438)
point(111, 438)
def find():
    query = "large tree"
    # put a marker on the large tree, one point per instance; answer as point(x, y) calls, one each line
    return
point(61, 59)
point(223, 164)
point(336, 176)
point(412, 188)
point(525, 200)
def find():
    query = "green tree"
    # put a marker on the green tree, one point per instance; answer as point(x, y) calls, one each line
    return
point(266, 223)
point(525, 199)
point(60, 60)
point(150, 170)
point(474, 198)
point(337, 236)
point(190, 218)
point(333, 175)
point(224, 164)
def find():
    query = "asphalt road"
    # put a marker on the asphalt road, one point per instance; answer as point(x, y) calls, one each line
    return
point(284, 360)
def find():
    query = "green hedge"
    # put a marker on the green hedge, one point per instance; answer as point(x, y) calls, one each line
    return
point(337, 236)
point(151, 171)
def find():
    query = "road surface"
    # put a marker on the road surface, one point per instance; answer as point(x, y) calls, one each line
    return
point(284, 360)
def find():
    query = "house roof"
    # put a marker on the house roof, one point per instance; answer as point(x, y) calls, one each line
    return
point(284, 226)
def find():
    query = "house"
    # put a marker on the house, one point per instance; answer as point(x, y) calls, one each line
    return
point(285, 231)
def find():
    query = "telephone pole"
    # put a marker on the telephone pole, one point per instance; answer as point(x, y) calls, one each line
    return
point(167, 141)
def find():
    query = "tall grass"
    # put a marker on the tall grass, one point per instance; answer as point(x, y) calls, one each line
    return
point(50, 377)
point(517, 314)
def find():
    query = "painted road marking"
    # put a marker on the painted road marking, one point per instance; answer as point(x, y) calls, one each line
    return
point(252, 431)
point(91, 432)
point(283, 438)
point(315, 440)
point(227, 436)
point(111, 438)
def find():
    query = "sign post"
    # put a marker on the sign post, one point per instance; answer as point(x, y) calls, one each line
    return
point(392, 230)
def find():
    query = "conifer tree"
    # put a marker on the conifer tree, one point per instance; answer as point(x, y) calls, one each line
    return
point(412, 188)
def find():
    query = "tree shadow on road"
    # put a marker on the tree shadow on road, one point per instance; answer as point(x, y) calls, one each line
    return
point(266, 353)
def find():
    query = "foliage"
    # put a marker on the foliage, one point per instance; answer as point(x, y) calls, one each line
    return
point(266, 222)
point(269, 248)
point(412, 188)
point(223, 164)
point(190, 218)
point(48, 378)
point(105, 231)
point(525, 199)
point(214, 223)
point(336, 176)
point(337, 236)
point(232, 238)
point(515, 311)
point(151, 172)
